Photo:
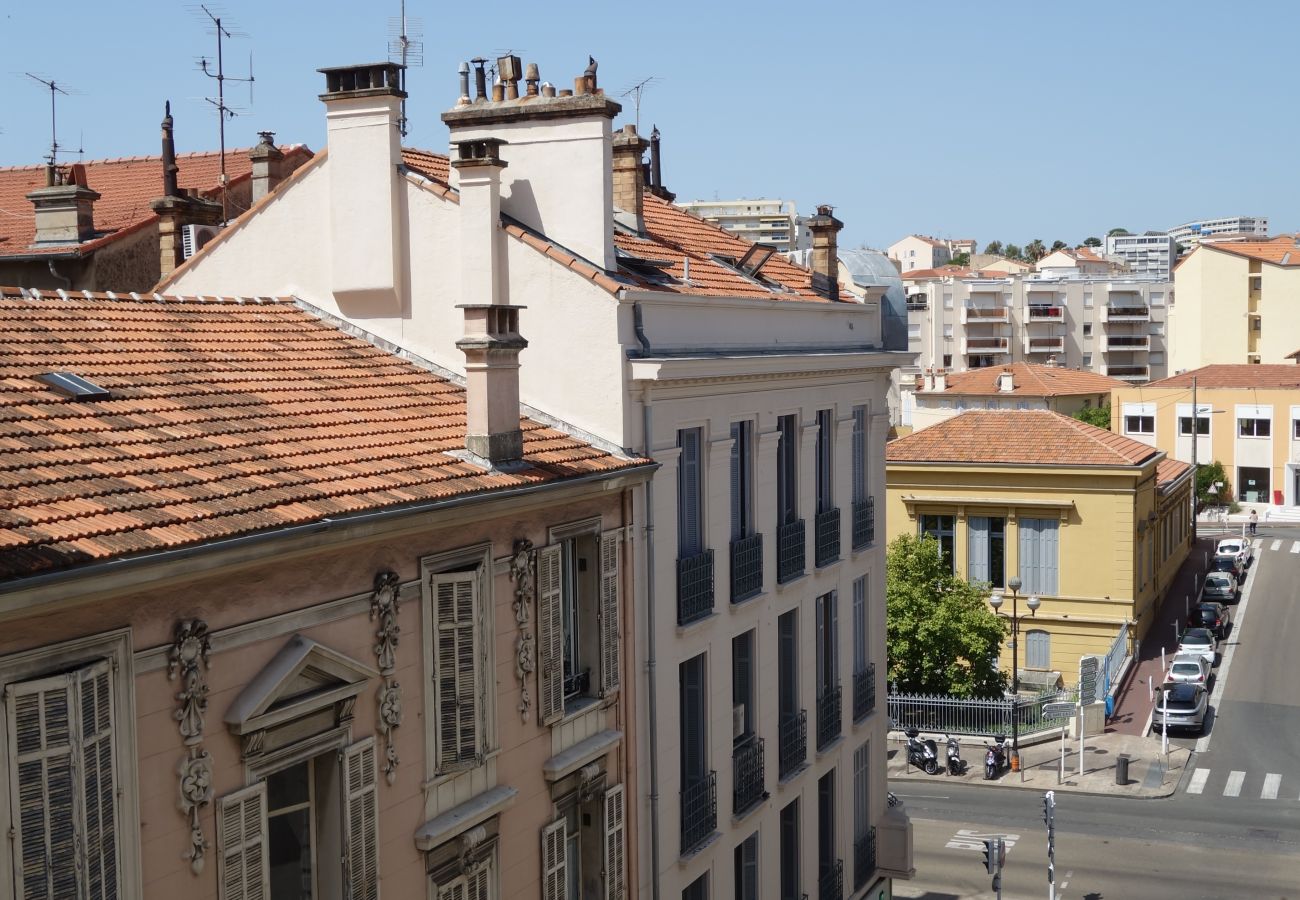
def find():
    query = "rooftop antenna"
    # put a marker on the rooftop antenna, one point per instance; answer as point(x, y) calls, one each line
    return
point(405, 44)
point(55, 89)
point(636, 91)
point(497, 53)
point(219, 74)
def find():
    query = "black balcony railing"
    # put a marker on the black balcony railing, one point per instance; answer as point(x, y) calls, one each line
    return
point(864, 858)
point(789, 551)
point(864, 522)
point(793, 750)
point(830, 881)
point(694, 587)
point(699, 811)
point(827, 537)
point(828, 715)
point(747, 775)
point(864, 692)
point(746, 567)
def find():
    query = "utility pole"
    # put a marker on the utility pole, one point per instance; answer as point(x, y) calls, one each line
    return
point(1049, 819)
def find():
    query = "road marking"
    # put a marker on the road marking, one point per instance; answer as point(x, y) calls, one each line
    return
point(1271, 783)
point(1276, 544)
point(1197, 784)
point(970, 839)
point(1233, 787)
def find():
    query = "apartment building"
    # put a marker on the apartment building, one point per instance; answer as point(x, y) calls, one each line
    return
point(755, 385)
point(940, 395)
point(1151, 253)
point(1191, 234)
point(918, 251)
point(762, 221)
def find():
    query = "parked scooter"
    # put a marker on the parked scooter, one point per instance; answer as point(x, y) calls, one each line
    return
point(922, 754)
point(995, 757)
point(956, 765)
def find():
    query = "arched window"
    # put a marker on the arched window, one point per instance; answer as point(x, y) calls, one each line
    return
point(1038, 650)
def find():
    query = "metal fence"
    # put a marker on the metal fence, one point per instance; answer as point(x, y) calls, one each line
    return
point(1113, 662)
point(964, 715)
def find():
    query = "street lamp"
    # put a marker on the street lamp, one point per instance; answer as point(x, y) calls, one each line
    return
point(1033, 603)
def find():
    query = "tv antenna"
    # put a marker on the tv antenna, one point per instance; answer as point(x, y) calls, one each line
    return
point(635, 91)
point(55, 88)
point(223, 33)
point(406, 45)
point(497, 53)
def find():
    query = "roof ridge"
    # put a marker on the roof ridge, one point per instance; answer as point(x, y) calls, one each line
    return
point(1094, 434)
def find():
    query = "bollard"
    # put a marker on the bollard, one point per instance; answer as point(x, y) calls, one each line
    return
point(1151, 689)
point(1121, 769)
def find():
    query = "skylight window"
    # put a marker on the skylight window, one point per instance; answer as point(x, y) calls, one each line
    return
point(755, 258)
point(74, 386)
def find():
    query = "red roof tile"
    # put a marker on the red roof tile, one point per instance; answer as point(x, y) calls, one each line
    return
point(1272, 376)
point(1029, 380)
point(226, 417)
point(1283, 250)
point(1168, 470)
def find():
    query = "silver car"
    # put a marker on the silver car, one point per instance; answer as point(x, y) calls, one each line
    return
point(1180, 706)
point(1190, 667)
point(1220, 586)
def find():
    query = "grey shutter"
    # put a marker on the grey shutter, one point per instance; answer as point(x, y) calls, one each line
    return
point(748, 875)
point(550, 636)
point(1047, 556)
point(859, 453)
point(787, 657)
point(688, 494)
point(615, 842)
point(977, 548)
point(1029, 555)
point(861, 786)
point(98, 780)
point(554, 861)
point(833, 640)
point(820, 644)
point(737, 505)
point(692, 713)
point(477, 884)
point(456, 667)
point(1038, 650)
point(243, 852)
point(611, 657)
point(360, 821)
point(860, 655)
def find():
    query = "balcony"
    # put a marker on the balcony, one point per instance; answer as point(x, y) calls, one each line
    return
point(699, 811)
point(747, 788)
point(864, 692)
point(789, 551)
point(864, 522)
point(792, 747)
point(986, 345)
point(746, 567)
point(1045, 345)
point(864, 858)
point(1046, 312)
point(985, 285)
point(1126, 342)
point(694, 587)
point(917, 301)
point(1127, 373)
point(1130, 313)
point(830, 881)
point(828, 715)
point(985, 315)
point(826, 533)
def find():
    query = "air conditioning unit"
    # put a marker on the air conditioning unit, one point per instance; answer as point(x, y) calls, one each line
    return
point(193, 237)
point(737, 720)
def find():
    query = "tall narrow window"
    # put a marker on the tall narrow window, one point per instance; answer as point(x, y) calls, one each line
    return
point(787, 638)
point(861, 652)
point(694, 750)
point(697, 889)
point(859, 454)
point(941, 528)
point(742, 687)
point(790, 852)
point(986, 549)
point(742, 480)
point(826, 852)
point(787, 472)
point(690, 491)
point(825, 450)
point(863, 845)
point(827, 655)
point(1038, 555)
point(746, 863)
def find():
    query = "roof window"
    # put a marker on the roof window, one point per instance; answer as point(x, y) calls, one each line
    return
point(74, 386)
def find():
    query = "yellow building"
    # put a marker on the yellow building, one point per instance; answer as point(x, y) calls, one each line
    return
point(1248, 419)
point(1094, 524)
point(1235, 303)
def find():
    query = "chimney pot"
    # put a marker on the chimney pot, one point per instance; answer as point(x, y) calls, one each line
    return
point(480, 78)
point(825, 253)
point(268, 166)
point(463, 72)
point(580, 85)
point(499, 92)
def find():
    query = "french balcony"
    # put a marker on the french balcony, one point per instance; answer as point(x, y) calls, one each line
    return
point(747, 788)
point(1126, 342)
point(864, 692)
point(984, 345)
point(1045, 345)
point(694, 587)
point(864, 858)
point(1128, 373)
point(1125, 313)
point(1046, 312)
point(790, 551)
point(864, 522)
point(830, 881)
point(985, 315)
point(826, 533)
point(828, 715)
point(746, 567)
point(699, 811)
point(792, 747)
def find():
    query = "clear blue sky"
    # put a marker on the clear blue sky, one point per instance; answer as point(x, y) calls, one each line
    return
point(1032, 121)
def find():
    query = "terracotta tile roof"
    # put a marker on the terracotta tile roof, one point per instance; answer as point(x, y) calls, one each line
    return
point(1168, 470)
point(1272, 376)
point(227, 417)
point(429, 164)
point(125, 185)
point(1282, 250)
point(1028, 437)
point(1029, 380)
point(1087, 255)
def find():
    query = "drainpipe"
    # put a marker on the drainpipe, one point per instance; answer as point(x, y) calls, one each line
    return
point(652, 692)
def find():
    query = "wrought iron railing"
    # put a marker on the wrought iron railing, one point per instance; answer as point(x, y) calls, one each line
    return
point(746, 567)
point(826, 534)
point(864, 692)
point(967, 715)
point(830, 882)
point(864, 858)
point(864, 522)
point(792, 751)
point(699, 811)
point(694, 587)
point(789, 551)
point(828, 715)
point(747, 789)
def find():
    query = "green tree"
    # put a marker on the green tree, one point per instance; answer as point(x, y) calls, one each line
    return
point(1092, 242)
point(1058, 245)
point(994, 247)
point(1012, 251)
point(961, 259)
point(1035, 250)
point(1207, 476)
point(1115, 231)
point(942, 636)
point(1096, 416)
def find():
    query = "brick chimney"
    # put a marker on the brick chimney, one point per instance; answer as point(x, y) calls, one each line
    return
point(268, 165)
point(177, 208)
point(825, 254)
point(629, 178)
point(65, 211)
point(363, 109)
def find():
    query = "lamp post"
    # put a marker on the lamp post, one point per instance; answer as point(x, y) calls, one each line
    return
point(995, 601)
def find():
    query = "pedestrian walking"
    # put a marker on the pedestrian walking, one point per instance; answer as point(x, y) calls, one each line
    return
point(1254, 521)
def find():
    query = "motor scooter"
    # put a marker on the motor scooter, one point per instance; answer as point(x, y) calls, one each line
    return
point(956, 765)
point(995, 757)
point(922, 754)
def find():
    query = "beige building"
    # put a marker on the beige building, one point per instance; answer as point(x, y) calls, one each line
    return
point(1237, 303)
point(762, 221)
point(918, 251)
point(1079, 261)
point(940, 395)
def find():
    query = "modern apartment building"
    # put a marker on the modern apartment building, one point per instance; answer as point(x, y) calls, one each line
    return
point(1190, 234)
point(762, 221)
point(1152, 253)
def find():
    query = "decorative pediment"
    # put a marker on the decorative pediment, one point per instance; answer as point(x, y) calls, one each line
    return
point(303, 678)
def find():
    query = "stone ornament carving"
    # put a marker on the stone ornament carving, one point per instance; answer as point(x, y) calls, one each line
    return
point(189, 657)
point(522, 573)
point(384, 607)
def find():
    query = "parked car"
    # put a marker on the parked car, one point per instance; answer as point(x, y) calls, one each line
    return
point(1238, 547)
point(1189, 667)
point(1214, 616)
point(1181, 705)
point(1220, 586)
point(1228, 563)
point(1201, 642)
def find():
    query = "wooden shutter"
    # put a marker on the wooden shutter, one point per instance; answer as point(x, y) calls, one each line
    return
point(1029, 555)
point(456, 667)
point(611, 657)
point(977, 548)
point(242, 847)
point(1038, 650)
point(477, 884)
point(554, 861)
point(615, 837)
point(688, 494)
point(748, 875)
point(360, 821)
point(1047, 550)
point(550, 635)
point(456, 889)
point(98, 780)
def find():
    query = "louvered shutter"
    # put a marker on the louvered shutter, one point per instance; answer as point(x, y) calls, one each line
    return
point(688, 494)
point(692, 719)
point(742, 678)
point(360, 821)
point(550, 635)
point(860, 624)
point(1047, 556)
point(98, 777)
point(977, 548)
point(861, 787)
point(737, 505)
point(615, 835)
point(611, 659)
point(242, 850)
point(456, 889)
point(456, 668)
point(477, 884)
point(833, 640)
point(1029, 555)
point(554, 861)
point(859, 454)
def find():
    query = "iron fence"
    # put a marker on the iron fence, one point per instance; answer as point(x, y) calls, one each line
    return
point(864, 522)
point(826, 534)
point(789, 551)
point(694, 587)
point(828, 715)
point(746, 567)
point(747, 776)
point(864, 858)
point(792, 749)
point(941, 713)
point(864, 692)
point(830, 883)
point(1113, 662)
point(699, 810)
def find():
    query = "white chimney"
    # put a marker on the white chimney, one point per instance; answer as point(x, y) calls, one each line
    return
point(363, 105)
point(940, 380)
point(1006, 382)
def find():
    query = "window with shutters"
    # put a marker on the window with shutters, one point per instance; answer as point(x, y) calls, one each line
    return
point(789, 855)
point(742, 480)
point(458, 670)
point(1039, 549)
point(690, 493)
point(825, 459)
point(466, 866)
point(787, 469)
point(584, 851)
point(986, 549)
point(1038, 649)
point(859, 452)
point(746, 868)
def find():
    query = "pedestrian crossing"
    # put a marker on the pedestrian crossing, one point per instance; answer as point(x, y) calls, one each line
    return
point(1242, 785)
point(1278, 545)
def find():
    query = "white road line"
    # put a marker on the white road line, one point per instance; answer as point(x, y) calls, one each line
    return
point(1277, 543)
point(1295, 546)
point(1233, 787)
point(1225, 656)
point(1197, 784)
point(1271, 783)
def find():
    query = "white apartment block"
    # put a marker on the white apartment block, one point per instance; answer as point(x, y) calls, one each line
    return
point(1190, 234)
point(917, 251)
point(763, 221)
point(1153, 253)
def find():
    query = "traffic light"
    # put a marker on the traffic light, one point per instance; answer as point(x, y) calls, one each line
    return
point(991, 856)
